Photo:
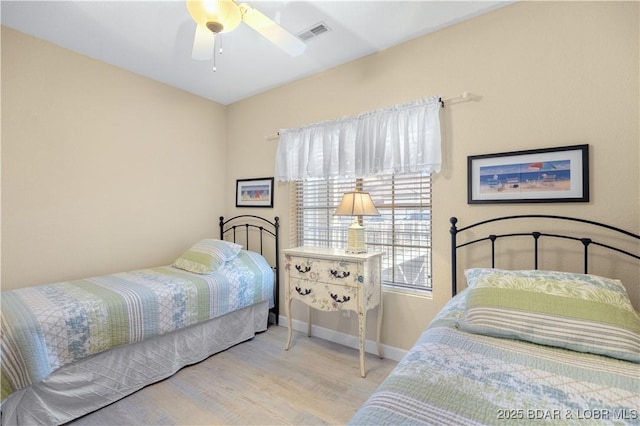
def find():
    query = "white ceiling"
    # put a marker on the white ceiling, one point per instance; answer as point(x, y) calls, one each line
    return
point(154, 38)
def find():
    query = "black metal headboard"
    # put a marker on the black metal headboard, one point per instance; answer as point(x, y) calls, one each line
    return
point(242, 224)
point(586, 242)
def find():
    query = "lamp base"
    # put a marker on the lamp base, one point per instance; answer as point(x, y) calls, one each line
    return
point(351, 251)
point(355, 238)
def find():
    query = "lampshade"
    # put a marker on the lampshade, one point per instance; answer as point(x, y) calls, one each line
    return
point(356, 204)
point(225, 12)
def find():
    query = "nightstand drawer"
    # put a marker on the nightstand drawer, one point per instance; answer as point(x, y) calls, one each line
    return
point(338, 272)
point(324, 296)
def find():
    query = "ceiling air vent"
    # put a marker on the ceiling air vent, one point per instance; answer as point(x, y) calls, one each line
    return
point(314, 31)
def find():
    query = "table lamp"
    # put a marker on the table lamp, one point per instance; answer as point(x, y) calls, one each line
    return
point(356, 204)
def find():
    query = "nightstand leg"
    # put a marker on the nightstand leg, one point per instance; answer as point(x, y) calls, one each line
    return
point(362, 323)
point(288, 307)
point(309, 321)
point(380, 351)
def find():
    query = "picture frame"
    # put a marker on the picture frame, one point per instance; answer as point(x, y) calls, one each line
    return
point(548, 175)
point(257, 192)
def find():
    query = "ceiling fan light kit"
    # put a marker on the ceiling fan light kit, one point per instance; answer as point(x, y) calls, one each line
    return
point(221, 16)
point(217, 15)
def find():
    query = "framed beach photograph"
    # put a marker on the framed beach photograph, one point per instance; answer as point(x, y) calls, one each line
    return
point(254, 192)
point(549, 175)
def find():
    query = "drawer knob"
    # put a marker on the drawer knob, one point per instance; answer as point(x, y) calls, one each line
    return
point(337, 298)
point(304, 292)
point(303, 269)
point(340, 275)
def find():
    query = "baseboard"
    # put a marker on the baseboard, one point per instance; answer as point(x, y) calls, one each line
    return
point(370, 346)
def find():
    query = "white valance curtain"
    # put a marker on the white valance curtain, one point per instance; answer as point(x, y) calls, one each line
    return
point(400, 139)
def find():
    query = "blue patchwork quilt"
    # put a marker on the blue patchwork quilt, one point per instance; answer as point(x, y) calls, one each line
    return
point(46, 327)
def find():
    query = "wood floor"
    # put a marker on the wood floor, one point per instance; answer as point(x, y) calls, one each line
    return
point(256, 383)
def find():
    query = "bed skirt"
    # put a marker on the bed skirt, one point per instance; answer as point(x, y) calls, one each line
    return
point(101, 379)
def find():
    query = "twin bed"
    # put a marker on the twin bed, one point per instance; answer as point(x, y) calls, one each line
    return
point(524, 345)
point(70, 348)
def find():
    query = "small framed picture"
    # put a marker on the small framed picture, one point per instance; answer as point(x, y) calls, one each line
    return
point(254, 192)
point(550, 175)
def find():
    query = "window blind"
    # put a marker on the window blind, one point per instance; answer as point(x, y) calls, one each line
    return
point(402, 231)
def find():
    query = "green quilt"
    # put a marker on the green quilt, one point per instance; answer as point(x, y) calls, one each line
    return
point(454, 377)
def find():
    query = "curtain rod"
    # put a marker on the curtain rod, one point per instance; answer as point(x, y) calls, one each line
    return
point(463, 97)
point(273, 136)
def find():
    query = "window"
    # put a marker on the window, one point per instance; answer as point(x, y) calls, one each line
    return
point(402, 231)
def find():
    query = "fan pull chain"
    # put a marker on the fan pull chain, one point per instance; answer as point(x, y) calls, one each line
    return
point(217, 40)
point(215, 68)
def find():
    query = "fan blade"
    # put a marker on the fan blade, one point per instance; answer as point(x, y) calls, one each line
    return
point(272, 31)
point(203, 44)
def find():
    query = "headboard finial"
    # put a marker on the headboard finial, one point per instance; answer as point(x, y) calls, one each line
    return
point(454, 232)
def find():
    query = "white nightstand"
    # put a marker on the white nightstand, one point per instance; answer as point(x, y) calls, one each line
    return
point(332, 280)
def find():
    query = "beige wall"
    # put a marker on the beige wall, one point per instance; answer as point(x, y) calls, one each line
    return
point(102, 170)
point(549, 73)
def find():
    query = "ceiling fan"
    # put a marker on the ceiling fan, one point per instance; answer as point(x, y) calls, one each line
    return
point(221, 16)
